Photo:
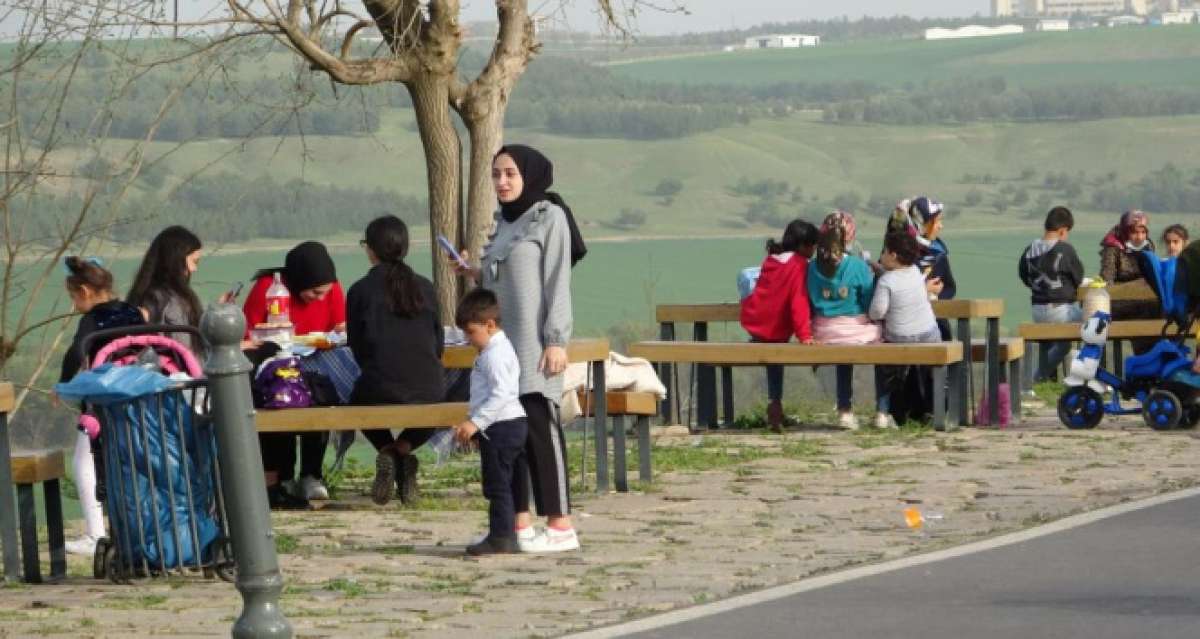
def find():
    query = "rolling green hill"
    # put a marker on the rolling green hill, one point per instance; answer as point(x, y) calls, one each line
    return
point(1161, 56)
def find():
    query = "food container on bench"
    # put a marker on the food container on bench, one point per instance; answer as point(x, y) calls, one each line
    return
point(1096, 298)
point(280, 333)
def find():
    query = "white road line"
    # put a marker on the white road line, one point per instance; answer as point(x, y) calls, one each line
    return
point(787, 590)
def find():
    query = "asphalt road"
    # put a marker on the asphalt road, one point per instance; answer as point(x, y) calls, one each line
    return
point(1132, 575)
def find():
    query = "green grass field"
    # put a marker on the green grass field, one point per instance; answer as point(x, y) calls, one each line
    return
point(1163, 56)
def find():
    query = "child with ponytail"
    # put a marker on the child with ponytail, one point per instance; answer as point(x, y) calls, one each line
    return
point(394, 331)
point(90, 286)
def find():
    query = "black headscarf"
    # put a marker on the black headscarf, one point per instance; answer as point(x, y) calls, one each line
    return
point(306, 266)
point(537, 173)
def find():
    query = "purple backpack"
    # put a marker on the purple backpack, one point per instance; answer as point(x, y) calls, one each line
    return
point(280, 384)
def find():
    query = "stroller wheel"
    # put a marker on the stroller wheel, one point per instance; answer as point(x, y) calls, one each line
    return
point(223, 562)
point(1162, 410)
point(1080, 407)
point(98, 558)
point(112, 565)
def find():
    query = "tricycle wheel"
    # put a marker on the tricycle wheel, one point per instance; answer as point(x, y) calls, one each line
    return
point(1162, 410)
point(1080, 407)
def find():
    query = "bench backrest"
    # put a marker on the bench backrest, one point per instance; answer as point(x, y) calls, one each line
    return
point(730, 312)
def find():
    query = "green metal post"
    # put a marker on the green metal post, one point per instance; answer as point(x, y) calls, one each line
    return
point(258, 576)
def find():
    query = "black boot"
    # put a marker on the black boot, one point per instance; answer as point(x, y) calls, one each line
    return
point(385, 477)
point(280, 499)
point(406, 478)
point(494, 546)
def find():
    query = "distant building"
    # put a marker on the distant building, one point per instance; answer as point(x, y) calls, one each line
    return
point(1036, 8)
point(973, 31)
point(783, 41)
point(1126, 21)
point(1054, 24)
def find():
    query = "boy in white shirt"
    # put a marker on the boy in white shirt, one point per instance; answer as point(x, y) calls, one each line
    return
point(496, 419)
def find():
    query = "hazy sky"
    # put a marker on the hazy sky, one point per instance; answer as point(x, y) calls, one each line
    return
point(709, 15)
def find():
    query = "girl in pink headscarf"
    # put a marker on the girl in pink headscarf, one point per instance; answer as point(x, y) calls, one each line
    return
point(840, 287)
point(1118, 263)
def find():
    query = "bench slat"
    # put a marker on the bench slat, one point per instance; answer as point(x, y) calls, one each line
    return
point(360, 417)
point(1011, 349)
point(968, 308)
point(620, 403)
point(36, 466)
point(579, 350)
point(7, 397)
point(747, 354)
point(729, 312)
point(1123, 329)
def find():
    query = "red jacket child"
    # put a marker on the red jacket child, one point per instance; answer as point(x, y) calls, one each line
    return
point(778, 308)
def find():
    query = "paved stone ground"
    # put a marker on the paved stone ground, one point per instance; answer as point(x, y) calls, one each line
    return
point(731, 512)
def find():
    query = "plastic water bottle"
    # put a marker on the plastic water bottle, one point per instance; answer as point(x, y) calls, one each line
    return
point(918, 520)
point(443, 445)
point(279, 302)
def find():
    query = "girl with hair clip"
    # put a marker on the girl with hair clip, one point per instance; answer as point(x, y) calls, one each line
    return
point(90, 287)
point(840, 286)
point(393, 330)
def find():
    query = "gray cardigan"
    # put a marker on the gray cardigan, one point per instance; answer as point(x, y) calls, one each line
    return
point(527, 263)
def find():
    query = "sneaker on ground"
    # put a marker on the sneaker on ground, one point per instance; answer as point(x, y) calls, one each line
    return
point(385, 477)
point(523, 534)
point(85, 545)
point(848, 421)
point(883, 420)
point(551, 540)
point(280, 499)
point(406, 478)
point(494, 546)
point(311, 488)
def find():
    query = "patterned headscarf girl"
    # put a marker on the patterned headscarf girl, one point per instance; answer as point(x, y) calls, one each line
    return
point(1118, 236)
point(837, 238)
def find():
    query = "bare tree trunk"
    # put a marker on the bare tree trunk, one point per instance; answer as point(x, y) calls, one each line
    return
point(443, 162)
point(487, 135)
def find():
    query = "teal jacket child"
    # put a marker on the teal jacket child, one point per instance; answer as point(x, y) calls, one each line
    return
point(847, 293)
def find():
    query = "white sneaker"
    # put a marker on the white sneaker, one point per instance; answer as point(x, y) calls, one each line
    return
point(848, 421)
point(85, 545)
point(311, 488)
point(523, 535)
point(884, 420)
point(551, 540)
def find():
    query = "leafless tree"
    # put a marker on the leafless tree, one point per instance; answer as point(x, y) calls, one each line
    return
point(56, 198)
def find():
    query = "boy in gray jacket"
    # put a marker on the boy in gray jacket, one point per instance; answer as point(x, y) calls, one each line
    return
point(496, 419)
point(1052, 271)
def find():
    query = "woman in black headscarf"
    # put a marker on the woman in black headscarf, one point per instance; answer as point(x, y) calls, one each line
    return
point(528, 264)
point(317, 306)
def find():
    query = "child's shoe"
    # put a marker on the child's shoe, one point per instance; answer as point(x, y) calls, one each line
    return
point(551, 540)
point(494, 546)
point(85, 545)
point(884, 420)
point(406, 477)
point(775, 416)
point(848, 421)
point(311, 488)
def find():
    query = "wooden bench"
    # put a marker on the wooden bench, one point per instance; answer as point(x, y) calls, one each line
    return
point(700, 315)
point(940, 357)
point(30, 468)
point(1011, 352)
point(1118, 332)
point(640, 406)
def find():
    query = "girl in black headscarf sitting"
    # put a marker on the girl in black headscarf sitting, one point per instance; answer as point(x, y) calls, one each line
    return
point(317, 306)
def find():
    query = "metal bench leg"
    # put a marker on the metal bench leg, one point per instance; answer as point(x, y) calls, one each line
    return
point(54, 527)
point(643, 435)
point(666, 333)
point(943, 419)
point(993, 369)
point(29, 545)
point(619, 474)
point(8, 508)
point(1118, 358)
point(727, 395)
point(601, 426)
point(965, 372)
point(706, 385)
point(1014, 391)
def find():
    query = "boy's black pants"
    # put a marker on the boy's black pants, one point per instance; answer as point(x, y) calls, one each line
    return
point(505, 473)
